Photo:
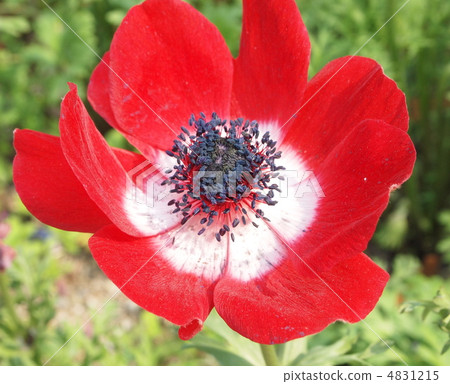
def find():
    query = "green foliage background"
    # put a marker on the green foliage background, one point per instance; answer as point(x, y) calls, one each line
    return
point(39, 54)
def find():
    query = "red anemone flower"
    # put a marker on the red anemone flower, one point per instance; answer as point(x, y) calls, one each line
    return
point(306, 168)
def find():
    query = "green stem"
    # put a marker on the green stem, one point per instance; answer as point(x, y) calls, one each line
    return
point(269, 354)
point(9, 305)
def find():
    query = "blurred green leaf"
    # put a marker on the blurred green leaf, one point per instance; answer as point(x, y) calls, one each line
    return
point(446, 347)
point(14, 25)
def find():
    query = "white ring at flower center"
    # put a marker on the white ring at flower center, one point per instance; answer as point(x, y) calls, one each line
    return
point(255, 251)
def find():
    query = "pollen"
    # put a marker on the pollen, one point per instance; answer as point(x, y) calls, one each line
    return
point(221, 168)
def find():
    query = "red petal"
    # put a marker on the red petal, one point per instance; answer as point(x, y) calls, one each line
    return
point(99, 97)
point(100, 172)
point(271, 71)
point(356, 179)
point(344, 93)
point(48, 187)
point(99, 91)
point(168, 62)
point(137, 267)
point(287, 304)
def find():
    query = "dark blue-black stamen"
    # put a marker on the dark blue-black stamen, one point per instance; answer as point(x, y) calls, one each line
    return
point(221, 165)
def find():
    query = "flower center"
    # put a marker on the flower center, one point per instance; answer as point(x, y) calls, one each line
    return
point(221, 168)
